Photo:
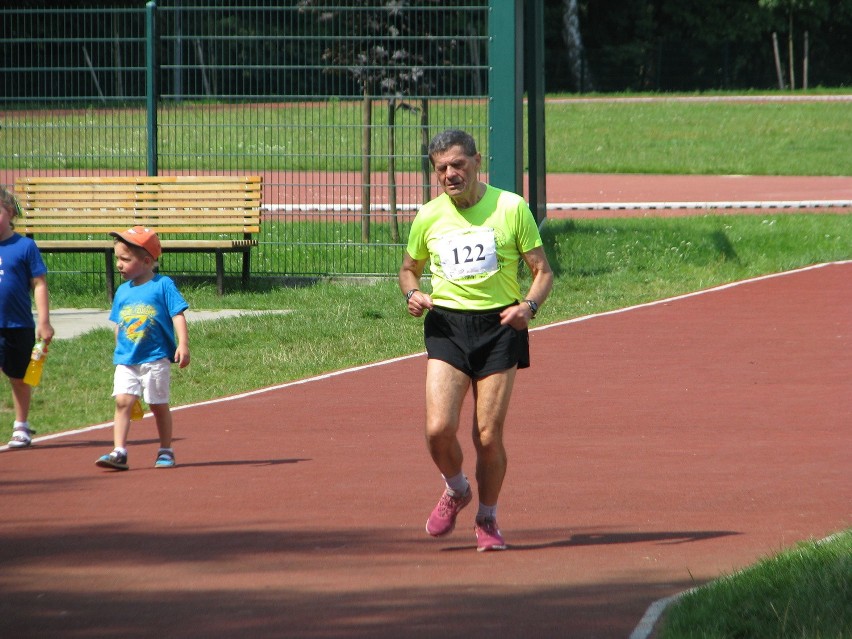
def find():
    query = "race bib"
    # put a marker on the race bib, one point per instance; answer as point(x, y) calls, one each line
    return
point(468, 253)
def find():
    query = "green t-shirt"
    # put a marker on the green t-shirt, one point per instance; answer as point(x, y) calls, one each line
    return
point(474, 253)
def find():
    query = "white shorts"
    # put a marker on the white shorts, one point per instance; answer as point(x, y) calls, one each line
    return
point(150, 380)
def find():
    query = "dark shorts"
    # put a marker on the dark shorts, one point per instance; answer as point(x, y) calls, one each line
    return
point(16, 348)
point(475, 342)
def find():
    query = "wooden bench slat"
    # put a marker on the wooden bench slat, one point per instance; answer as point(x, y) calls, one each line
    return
point(140, 219)
point(106, 230)
point(28, 198)
point(92, 216)
point(212, 193)
point(26, 190)
point(140, 179)
point(72, 224)
point(135, 184)
point(32, 197)
point(121, 214)
point(236, 208)
point(119, 224)
point(105, 245)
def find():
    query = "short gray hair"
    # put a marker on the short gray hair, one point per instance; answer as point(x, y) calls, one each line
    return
point(450, 138)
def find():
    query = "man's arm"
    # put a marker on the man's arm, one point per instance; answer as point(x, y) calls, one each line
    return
point(409, 280)
point(519, 316)
point(542, 275)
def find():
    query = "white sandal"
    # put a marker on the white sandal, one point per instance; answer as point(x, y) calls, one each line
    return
point(21, 437)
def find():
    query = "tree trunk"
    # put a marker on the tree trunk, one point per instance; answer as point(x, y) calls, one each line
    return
point(791, 60)
point(93, 74)
point(574, 47)
point(199, 55)
point(778, 70)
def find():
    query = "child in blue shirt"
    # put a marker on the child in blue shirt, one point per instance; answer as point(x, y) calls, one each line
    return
point(21, 271)
point(150, 334)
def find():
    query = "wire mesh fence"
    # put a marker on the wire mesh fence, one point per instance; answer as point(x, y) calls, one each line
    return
point(333, 103)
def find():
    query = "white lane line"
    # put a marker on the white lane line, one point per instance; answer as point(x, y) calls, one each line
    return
point(663, 206)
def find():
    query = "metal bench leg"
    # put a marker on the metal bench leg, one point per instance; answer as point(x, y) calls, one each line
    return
point(110, 275)
point(246, 267)
point(220, 272)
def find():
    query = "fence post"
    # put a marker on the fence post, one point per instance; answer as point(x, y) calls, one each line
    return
point(534, 84)
point(505, 87)
point(151, 82)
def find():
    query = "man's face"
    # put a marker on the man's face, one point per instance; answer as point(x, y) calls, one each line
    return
point(457, 172)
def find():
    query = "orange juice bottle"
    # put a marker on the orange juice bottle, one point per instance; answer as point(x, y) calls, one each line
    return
point(36, 365)
point(137, 412)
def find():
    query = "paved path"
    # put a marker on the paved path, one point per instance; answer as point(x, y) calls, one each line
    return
point(71, 322)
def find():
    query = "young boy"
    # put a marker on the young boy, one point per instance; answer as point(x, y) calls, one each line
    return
point(21, 270)
point(148, 313)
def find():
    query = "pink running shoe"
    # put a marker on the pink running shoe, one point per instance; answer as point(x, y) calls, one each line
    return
point(488, 536)
point(443, 518)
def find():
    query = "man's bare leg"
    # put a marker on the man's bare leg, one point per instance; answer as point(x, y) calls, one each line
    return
point(492, 395)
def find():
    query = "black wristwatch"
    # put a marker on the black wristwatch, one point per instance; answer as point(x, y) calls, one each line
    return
point(533, 307)
point(410, 293)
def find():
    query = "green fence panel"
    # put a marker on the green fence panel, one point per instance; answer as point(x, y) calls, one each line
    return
point(332, 104)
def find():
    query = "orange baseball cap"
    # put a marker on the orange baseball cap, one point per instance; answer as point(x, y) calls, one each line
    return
point(143, 238)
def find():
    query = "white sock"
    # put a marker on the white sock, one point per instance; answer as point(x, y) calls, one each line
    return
point(486, 512)
point(457, 484)
point(118, 449)
point(19, 425)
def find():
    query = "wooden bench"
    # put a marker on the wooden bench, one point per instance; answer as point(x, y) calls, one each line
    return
point(191, 214)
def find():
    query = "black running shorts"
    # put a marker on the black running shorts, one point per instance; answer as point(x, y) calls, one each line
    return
point(475, 342)
point(16, 348)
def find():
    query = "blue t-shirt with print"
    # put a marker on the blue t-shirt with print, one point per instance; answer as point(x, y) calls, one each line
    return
point(20, 262)
point(144, 315)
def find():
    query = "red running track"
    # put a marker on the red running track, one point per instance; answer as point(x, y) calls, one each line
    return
point(670, 195)
point(650, 450)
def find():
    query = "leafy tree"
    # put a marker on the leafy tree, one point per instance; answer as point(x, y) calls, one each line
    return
point(694, 44)
point(388, 52)
point(619, 39)
point(701, 42)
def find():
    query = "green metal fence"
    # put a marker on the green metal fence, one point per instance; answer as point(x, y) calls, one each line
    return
point(331, 102)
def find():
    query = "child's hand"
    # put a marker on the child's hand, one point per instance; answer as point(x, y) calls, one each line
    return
point(45, 332)
point(182, 356)
point(182, 352)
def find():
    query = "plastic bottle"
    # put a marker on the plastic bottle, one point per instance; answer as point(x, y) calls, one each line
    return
point(36, 365)
point(137, 412)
